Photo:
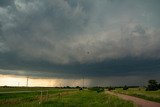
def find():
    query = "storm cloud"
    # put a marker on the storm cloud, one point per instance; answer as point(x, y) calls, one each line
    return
point(66, 37)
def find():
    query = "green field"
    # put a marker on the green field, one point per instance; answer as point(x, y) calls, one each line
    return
point(60, 98)
point(141, 93)
point(7, 89)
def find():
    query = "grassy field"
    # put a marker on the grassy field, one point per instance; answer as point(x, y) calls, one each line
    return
point(25, 89)
point(62, 98)
point(141, 93)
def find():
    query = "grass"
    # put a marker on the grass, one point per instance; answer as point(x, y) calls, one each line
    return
point(30, 94)
point(141, 93)
point(88, 99)
point(8, 89)
point(17, 98)
point(63, 98)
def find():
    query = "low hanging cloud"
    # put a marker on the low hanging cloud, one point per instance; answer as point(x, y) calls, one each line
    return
point(55, 35)
point(60, 33)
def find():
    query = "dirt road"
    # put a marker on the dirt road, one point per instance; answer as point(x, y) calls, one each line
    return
point(137, 101)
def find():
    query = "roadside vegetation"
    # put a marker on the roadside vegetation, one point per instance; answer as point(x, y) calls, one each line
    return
point(151, 92)
point(141, 93)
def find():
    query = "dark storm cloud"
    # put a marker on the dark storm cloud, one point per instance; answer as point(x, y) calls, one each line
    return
point(4, 3)
point(123, 67)
point(64, 38)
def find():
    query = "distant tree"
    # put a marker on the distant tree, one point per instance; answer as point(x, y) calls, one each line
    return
point(111, 88)
point(159, 86)
point(80, 88)
point(152, 85)
point(125, 88)
point(68, 87)
point(77, 86)
point(5, 86)
point(98, 89)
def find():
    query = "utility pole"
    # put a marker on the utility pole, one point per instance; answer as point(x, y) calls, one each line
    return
point(83, 80)
point(27, 82)
point(60, 85)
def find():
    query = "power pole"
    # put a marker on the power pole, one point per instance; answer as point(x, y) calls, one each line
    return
point(83, 80)
point(27, 82)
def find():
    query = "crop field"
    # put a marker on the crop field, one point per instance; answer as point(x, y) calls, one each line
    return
point(141, 93)
point(59, 98)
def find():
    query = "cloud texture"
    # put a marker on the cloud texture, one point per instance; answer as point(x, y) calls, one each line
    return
point(62, 35)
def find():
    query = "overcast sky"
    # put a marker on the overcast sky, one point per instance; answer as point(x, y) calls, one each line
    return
point(104, 40)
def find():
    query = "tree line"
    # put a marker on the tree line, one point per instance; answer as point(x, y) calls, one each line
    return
point(153, 85)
